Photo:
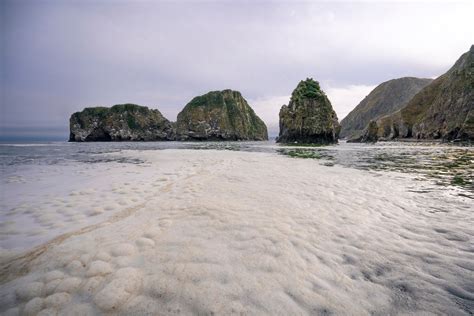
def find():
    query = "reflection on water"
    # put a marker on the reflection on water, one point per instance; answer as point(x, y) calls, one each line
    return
point(444, 164)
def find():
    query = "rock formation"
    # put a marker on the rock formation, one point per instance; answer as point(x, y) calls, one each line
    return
point(442, 110)
point(121, 122)
point(309, 117)
point(385, 99)
point(368, 135)
point(219, 115)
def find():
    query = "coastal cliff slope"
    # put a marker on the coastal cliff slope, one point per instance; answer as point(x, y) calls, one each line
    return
point(385, 99)
point(444, 109)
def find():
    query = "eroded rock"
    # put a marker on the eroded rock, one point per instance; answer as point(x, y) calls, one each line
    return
point(309, 117)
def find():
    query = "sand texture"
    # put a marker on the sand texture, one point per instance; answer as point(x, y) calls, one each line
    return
point(221, 232)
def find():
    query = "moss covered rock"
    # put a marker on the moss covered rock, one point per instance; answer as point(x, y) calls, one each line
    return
point(122, 122)
point(220, 115)
point(309, 117)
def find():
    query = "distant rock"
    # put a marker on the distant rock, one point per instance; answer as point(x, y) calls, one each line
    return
point(309, 117)
point(220, 115)
point(368, 135)
point(122, 122)
point(385, 99)
point(442, 110)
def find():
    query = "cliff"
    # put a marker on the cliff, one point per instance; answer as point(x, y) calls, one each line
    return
point(442, 110)
point(385, 99)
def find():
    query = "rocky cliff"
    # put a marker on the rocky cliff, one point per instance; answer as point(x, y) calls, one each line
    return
point(309, 116)
point(368, 135)
point(442, 110)
point(119, 123)
point(220, 115)
point(385, 99)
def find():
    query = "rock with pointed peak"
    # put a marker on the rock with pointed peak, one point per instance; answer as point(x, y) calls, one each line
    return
point(309, 116)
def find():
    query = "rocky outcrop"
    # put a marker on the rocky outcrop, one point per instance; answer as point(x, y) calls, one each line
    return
point(217, 115)
point(309, 116)
point(385, 99)
point(220, 115)
point(442, 110)
point(123, 122)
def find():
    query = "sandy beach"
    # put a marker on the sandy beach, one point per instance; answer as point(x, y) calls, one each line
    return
point(227, 232)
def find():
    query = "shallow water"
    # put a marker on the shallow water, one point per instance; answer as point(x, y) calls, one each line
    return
point(441, 164)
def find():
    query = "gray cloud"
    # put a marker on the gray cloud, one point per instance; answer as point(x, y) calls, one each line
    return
point(60, 56)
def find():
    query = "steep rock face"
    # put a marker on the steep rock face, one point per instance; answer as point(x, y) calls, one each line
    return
point(121, 122)
point(385, 99)
point(220, 115)
point(309, 117)
point(442, 110)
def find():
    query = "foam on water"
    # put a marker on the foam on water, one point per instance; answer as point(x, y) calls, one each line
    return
point(228, 232)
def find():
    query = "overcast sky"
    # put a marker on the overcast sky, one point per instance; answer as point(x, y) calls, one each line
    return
point(58, 57)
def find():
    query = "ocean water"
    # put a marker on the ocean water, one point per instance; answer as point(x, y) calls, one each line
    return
point(236, 228)
point(440, 164)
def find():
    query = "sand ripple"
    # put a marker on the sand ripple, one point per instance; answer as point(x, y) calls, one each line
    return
point(217, 232)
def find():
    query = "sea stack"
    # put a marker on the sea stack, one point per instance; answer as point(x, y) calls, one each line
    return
point(220, 115)
point(309, 117)
point(122, 122)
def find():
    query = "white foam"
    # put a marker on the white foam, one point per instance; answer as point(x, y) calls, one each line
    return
point(34, 306)
point(69, 285)
point(53, 275)
point(57, 300)
point(30, 290)
point(92, 284)
point(98, 268)
point(145, 242)
point(51, 286)
point(247, 233)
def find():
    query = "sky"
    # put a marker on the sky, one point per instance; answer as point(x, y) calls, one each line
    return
point(58, 57)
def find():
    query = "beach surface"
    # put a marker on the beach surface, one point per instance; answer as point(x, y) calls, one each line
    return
point(231, 232)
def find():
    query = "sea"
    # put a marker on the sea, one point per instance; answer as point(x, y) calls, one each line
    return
point(439, 164)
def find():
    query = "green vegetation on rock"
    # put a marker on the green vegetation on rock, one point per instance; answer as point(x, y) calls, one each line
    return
point(220, 115)
point(307, 89)
point(309, 117)
point(119, 123)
